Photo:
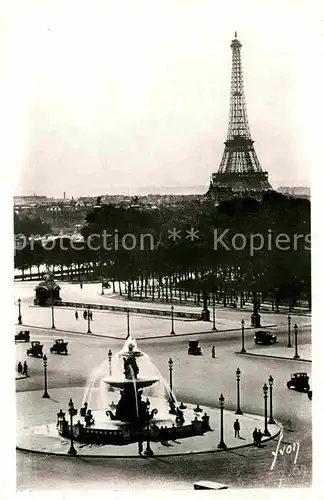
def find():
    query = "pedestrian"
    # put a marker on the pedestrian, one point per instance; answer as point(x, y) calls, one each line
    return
point(90, 315)
point(19, 368)
point(140, 447)
point(85, 314)
point(76, 315)
point(81, 285)
point(173, 433)
point(259, 438)
point(255, 437)
point(237, 428)
point(25, 369)
point(213, 352)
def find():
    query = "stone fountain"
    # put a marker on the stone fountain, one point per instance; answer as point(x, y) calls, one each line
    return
point(132, 378)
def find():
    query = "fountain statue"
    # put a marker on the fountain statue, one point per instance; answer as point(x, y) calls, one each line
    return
point(131, 408)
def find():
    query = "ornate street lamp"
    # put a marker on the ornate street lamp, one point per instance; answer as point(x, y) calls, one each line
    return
point(88, 317)
point(53, 325)
point(271, 419)
point(72, 411)
point(265, 394)
point(172, 322)
point(238, 409)
point(19, 312)
point(109, 360)
point(296, 343)
point(221, 443)
point(214, 316)
point(170, 373)
point(243, 351)
point(45, 395)
point(148, 452)
point(289, 324)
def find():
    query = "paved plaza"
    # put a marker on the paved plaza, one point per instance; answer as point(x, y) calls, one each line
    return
point(196, 379)
point(37, 429)
point(113, 324)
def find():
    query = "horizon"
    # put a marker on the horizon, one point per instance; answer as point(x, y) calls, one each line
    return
point(159, 191)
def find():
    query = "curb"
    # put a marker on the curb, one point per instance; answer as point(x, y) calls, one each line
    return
point(217, 450)
point(74, 332)
point(145, 338)
point(273, 357)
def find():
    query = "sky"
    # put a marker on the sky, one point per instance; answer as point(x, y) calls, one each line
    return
point(123, 96)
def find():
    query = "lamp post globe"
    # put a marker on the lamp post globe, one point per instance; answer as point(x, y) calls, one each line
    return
point(289, 331)
point(296, 342)
point(19, 312)
point(109, 360)
point(52, 309)
point(72, 411)
point(265, 394)
point(214, 316)
point(45, 395)
point(170, 372)
point(238, 377)
point(221, 443)
point(271, 419)
point(172, 321)
point(88, 317)
point(243, 351)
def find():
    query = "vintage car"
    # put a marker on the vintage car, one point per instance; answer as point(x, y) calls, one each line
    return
point(23, 335)
point(264, 338)
point(194, 348)
point(36, 349)
point(299, 382)
point(59, 347)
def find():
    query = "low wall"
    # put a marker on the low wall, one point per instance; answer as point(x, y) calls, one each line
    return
point(135, 310)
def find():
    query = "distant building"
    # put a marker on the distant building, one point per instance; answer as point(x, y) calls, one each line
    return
point(295, 191)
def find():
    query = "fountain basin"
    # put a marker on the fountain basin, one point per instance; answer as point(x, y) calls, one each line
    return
point(122, 382)
point(116, 432)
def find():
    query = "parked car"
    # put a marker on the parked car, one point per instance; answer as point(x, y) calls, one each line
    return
point(194, 348)
point(59, 347)
point(265, 338)
point(23, 335)
point(299, 382)
point(36, 349)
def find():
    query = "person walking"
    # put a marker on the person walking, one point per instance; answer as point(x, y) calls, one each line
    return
point(85, 314)
point(213, 352)
point(140, 447)
point(237, 428)
point(255, 437)
point(259, 438)
point(25, 369)
point(19, 368)
point(76, 315)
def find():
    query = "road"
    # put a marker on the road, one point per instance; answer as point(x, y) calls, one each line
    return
point(195, 379)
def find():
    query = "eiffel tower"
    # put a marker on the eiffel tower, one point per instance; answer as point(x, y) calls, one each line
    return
point(239, 173)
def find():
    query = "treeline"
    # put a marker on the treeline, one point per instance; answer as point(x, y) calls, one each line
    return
point(240, 250)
